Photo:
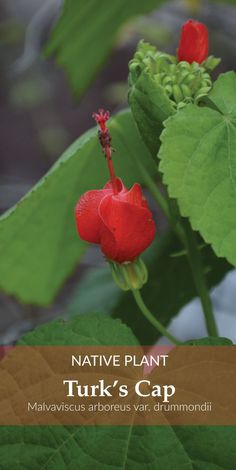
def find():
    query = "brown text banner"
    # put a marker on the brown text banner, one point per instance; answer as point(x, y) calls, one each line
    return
point(111, 385)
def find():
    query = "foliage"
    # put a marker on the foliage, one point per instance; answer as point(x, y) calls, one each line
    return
point(165, 293)
point(109, 447)
point(198, 160)
point(39, 246)
point(92, 28)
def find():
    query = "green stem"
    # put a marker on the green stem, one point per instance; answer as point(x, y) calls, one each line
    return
point(195, 262)
point(150, 317)
point(162, 202)
point(188, 239)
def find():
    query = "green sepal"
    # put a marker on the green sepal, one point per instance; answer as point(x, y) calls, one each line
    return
point(211, 63)
point(130, 275)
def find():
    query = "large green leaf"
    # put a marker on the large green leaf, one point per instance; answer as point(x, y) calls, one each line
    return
point(93, 330)
point(103, 448)
point(169, 287)
point(39, 246)
point(118, 448)
point(198, 160)
point(85, 34)
point(97, 291)
point(107, 447)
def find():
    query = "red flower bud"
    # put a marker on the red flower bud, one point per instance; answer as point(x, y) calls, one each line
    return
point(120, 223)
point(193, 44)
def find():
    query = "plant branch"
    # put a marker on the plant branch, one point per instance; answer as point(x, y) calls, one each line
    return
point(150, 317)
point(188, 239)
point(195, 262)
point(162, 201)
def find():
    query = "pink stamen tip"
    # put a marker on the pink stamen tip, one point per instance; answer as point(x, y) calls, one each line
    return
point(101, 117)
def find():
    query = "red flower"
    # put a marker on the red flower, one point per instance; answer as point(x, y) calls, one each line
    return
point(193, 44)
point(120, 223)
point(117, 219)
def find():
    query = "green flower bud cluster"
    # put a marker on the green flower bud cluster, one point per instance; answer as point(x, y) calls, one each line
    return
point(149, 59)
point(182, 82)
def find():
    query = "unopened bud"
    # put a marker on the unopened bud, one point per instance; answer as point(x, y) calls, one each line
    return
point(158, 79)
point(167, 80)
point(202, 91)
point(177, 93)
point(168, 90)
point(186, 90)
point(190, 78)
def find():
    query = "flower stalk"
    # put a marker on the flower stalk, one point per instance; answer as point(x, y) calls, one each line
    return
point(153, 320)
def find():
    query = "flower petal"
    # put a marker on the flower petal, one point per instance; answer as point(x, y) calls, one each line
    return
point(120, 185)
point(87, 216)
point(127, 229)
point(193, 44)
point(134, 196)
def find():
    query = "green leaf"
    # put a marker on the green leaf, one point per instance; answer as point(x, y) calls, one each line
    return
point(198, 160)
point(208, 447)
point(169, 287)
point(85, 35)
point(110, 447)
point(150, 107)
point(96, 292)
point(93, 329)
point(39, 246)
point(118, 448)
point(223, 94)
point(103, 448)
